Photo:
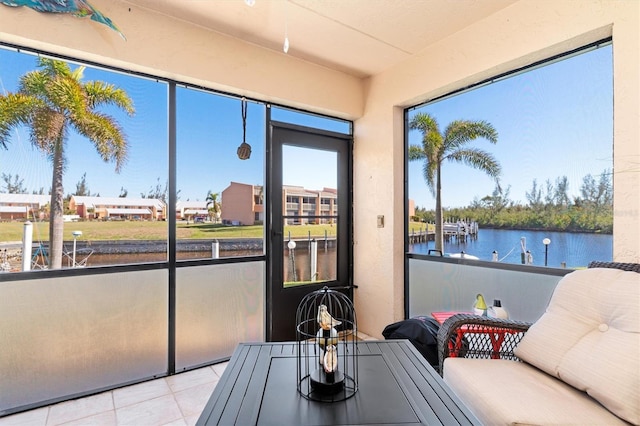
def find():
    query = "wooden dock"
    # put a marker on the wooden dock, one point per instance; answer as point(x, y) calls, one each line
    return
point(459, 230)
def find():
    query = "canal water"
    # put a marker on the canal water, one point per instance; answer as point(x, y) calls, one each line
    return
point(296, 264)
point(570, 249)
point(574, 249)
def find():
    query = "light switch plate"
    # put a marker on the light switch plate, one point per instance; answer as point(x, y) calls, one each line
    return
point(380, 221)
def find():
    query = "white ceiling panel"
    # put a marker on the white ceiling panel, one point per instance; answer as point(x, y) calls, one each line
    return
point(360, 37)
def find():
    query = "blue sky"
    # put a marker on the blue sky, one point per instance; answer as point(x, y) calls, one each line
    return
point(209, 131)
point(554, 121)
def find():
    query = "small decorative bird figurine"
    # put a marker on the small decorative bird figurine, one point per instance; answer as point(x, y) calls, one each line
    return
point(325, 320)
point(480, 306)
point(330, 359)
point(326, 337)
point(78, 8)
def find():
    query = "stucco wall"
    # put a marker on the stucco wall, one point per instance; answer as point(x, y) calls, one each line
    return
point(237, 204)
point(518, 35)
point(159, 45)
point(527, 31)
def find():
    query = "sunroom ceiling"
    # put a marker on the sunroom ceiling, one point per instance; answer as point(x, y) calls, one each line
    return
point(359, 37)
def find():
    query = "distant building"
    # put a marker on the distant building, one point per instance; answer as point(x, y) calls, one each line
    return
point(298, 201)
point(23, 206)
point(242, 204)
point(191, 209)
point(106, 208)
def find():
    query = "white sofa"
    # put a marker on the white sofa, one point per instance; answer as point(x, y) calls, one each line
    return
point(578, 364)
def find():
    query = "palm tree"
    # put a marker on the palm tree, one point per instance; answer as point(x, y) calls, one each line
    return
point(52, 101)
point(452, 145)
point(212, 200)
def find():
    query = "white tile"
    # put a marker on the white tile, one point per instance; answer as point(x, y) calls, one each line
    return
point(140, 392)
point(191, 420)
point(179, 422)
point(103, 419)
point(37, 417)
point(79, 408)
point(191, 378)
point(219, 368)
point(154, 412)
point(192, 400)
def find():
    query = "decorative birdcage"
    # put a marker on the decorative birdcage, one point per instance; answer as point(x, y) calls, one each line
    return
point(327, 356)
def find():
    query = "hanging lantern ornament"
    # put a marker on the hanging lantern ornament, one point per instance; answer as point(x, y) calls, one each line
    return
point(244, 150)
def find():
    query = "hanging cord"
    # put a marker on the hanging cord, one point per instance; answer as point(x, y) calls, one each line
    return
point(244, 150)
point(244, 119)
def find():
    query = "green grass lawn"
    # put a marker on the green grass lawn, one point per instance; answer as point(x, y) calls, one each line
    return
point(143, 230)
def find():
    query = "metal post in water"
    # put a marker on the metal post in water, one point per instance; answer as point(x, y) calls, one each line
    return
point(325, 240)
point(529, 257)
point(75, 234)
point(314, 259)
point(546, 243)
point(292, 246)
point(27, 242)
point(215, 249)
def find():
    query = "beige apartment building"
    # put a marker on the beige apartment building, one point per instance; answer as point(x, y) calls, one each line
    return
point(191, 209)
point(109, 208)
point(242, 204)
point(23, 206)
point(298, 201)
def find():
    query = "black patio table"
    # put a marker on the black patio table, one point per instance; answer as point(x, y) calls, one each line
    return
point(395, 386)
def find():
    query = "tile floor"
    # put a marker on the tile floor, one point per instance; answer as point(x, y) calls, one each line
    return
point(176, 400)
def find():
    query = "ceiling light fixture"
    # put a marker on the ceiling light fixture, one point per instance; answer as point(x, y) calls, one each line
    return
point(285, 46)
point(250, 3)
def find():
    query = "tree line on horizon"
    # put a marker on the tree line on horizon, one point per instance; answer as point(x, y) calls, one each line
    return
point(548, 206)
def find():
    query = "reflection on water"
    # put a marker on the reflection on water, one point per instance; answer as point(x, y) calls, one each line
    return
point(566, 248)
point(297, 265)
point(300, 262)
point(127, 258)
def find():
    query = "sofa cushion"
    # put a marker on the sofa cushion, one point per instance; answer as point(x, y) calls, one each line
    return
point(503, 392)
point(589, 337)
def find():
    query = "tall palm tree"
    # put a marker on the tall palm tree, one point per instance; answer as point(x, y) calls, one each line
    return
point(212, 200)
point(452, 145)
point(52, 101)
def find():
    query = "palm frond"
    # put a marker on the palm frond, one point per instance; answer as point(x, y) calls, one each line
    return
point(47, 127)
point(424, 122)
point(107, 136)
point(34, 83)
point(429, 170)
point(15, 109)
point(431, 149)
point(54, 67)
point(101, 93)
point(66, 94)
point(461, 132)
point(478, 159)
point(416, 153)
